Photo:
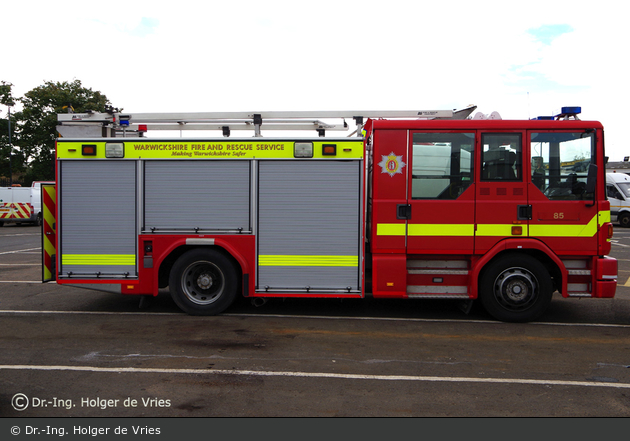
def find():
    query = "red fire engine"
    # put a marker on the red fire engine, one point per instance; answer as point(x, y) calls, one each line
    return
point(429, 204)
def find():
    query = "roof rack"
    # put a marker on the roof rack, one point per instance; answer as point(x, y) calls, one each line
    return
point(112, 124)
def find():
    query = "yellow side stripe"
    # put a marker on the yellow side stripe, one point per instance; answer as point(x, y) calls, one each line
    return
point(498, 230)
point(391, 230)
point(494, 230)
point(588, 230)
point(441, 230)
point(297, 260)
point(98, 259)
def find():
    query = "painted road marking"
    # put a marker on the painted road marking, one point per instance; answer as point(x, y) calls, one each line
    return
point(21, 251)
point(20, 264)
point(21, 281)
point(315, 317)
point(317, 375)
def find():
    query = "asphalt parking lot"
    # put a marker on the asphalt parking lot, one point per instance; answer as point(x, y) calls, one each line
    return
point(70, 352)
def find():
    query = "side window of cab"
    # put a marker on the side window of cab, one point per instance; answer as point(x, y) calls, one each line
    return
point(442, 164)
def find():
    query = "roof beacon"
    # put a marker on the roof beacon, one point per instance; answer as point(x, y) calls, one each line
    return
point(563, 113)
point(568, 113)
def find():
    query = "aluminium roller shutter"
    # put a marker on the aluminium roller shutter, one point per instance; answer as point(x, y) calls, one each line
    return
point(309, 225)
point(97, 218)
point(209, 195)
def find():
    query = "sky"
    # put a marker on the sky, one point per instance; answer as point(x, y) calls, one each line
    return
point(521, 59)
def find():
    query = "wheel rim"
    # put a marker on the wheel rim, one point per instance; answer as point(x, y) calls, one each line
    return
point(516, 289)
point(202, 282)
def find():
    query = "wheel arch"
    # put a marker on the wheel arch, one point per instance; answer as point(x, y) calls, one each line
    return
point(179, 248)
point(531, 247)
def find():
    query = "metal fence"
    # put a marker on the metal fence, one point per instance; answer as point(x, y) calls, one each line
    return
point(6, 182)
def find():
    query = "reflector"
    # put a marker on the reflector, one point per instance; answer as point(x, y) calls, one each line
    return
point(329, 149)
point(88, 150)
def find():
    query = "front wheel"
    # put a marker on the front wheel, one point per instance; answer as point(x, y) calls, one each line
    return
point(203, 282)
point(515, 288)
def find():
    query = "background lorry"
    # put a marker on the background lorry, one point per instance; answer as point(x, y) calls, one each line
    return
point(21, 204)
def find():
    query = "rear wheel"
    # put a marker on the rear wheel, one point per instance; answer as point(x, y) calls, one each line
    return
point(203, 282)
point(515, 288)
point(624, 219)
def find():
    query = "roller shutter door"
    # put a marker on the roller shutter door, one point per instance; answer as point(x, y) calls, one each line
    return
point(208, 195)
point(309, 225)
point(98, 219)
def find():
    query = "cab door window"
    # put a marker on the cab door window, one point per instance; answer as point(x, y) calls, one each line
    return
point(560, 162)
point(501, 157)
point(442, 165)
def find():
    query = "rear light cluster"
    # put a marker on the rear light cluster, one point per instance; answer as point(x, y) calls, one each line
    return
point(610, 231)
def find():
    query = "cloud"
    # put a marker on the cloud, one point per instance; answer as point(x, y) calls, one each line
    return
point(524, 60)
point(146, 27)
point(547, 33)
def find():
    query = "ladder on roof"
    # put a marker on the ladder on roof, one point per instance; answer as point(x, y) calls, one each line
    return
point(92, 124)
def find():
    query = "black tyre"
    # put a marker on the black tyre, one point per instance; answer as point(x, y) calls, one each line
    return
point(515, 288)
point(203, 282)
point(624, 219)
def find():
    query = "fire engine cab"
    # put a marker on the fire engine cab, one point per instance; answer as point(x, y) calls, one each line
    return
point(422, 204)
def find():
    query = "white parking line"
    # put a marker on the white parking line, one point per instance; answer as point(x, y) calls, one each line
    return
point(20, 264)
point(9, 312)
point(317, 317)
point(21, 281)
point(317, 375)
point(20, 251)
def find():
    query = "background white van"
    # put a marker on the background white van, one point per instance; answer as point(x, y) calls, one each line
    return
point(618, 192)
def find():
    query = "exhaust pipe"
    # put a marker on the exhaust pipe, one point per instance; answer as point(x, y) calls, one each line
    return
point(259, 301)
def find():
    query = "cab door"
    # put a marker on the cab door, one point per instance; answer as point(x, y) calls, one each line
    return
point(564, 215)
point(502, 207)
point(441, 196)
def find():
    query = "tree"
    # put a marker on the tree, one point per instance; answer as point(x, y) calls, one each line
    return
point(6, 99)
point(38, 120)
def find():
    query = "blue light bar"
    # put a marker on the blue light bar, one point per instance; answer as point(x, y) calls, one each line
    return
point(123, 120)
point(568, 111)
point(576, 110)
point(543, 118)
